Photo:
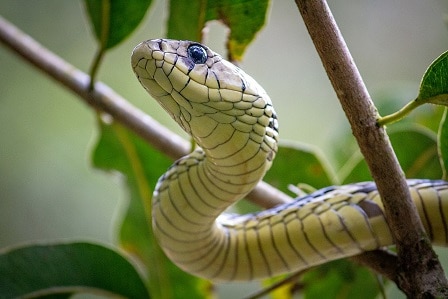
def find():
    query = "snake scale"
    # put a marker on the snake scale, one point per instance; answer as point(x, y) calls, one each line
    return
point(231, 118)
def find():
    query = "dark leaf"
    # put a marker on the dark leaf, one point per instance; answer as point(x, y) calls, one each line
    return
point(61, 269)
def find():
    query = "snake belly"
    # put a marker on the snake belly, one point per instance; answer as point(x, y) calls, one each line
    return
point(231, 118)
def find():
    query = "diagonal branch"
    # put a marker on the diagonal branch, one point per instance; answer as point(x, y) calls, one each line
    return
point(419, 272)
point(104, 99)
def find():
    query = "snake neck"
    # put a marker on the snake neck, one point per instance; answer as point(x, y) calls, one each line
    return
point(197, 189)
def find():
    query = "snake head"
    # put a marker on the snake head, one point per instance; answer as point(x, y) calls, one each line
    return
point(209, 97)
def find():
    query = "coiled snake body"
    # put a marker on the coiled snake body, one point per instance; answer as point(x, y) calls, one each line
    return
point(232, 119)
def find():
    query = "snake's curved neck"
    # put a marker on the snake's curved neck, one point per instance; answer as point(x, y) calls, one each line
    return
point(194, 192)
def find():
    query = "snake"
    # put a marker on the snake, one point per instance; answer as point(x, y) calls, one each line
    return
point(232, 121)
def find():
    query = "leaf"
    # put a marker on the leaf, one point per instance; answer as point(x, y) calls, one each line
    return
point(298, 163)
point(61, 269)
point(416, 150)
point(186, 19)
point(244, 18)
point(442, 143)
point(340, 279)
point(433, 89)
point(434, 85)
point(114, 20)
point(120, 150)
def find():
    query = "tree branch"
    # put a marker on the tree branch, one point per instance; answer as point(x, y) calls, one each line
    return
point(104, 99)
point(419, 272)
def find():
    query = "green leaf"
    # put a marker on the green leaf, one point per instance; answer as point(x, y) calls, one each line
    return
point(114, 20)
point(434, 85)
point(442, 143)
point(186, 19)
point(295, 164)
point(244, 18)
point(42, 270)
point(299, 164)
point(416, 149)
point(433, 89)
point(122, 151)
point(340, 279)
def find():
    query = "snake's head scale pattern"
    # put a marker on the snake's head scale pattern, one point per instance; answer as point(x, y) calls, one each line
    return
point(205, 94)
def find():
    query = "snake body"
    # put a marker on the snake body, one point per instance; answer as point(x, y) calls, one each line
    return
point(231, 118)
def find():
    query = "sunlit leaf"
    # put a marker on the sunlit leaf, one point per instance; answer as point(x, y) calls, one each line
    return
point(434, 85)
point(122, 151)
point(433, 89)
point(244, 18)
point(62, 269)
point(114, 20)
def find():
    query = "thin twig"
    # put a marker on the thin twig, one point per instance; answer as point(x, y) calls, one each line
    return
point(420, 273)
point(104, 99)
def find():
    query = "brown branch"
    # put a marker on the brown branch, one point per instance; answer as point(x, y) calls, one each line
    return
point(106, 100)
point(419, 272)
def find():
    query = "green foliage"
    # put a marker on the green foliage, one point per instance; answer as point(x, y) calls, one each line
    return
point(433, 89)
point(443, 143)
point(416, 149)
point(186, 20)
point(306, 166)
point(114, 20)
point(340, 279)
point(244, 18)
point(63, 269)
point(434, 86)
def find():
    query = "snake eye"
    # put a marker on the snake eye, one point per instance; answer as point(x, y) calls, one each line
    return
point(197, 54)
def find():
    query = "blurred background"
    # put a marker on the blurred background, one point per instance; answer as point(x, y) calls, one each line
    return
point(48, 189)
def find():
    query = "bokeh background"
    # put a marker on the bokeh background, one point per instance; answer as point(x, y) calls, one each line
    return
point(48, 189)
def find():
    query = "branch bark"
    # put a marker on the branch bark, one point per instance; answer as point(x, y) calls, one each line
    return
point(419, 273)
point(104, 99)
